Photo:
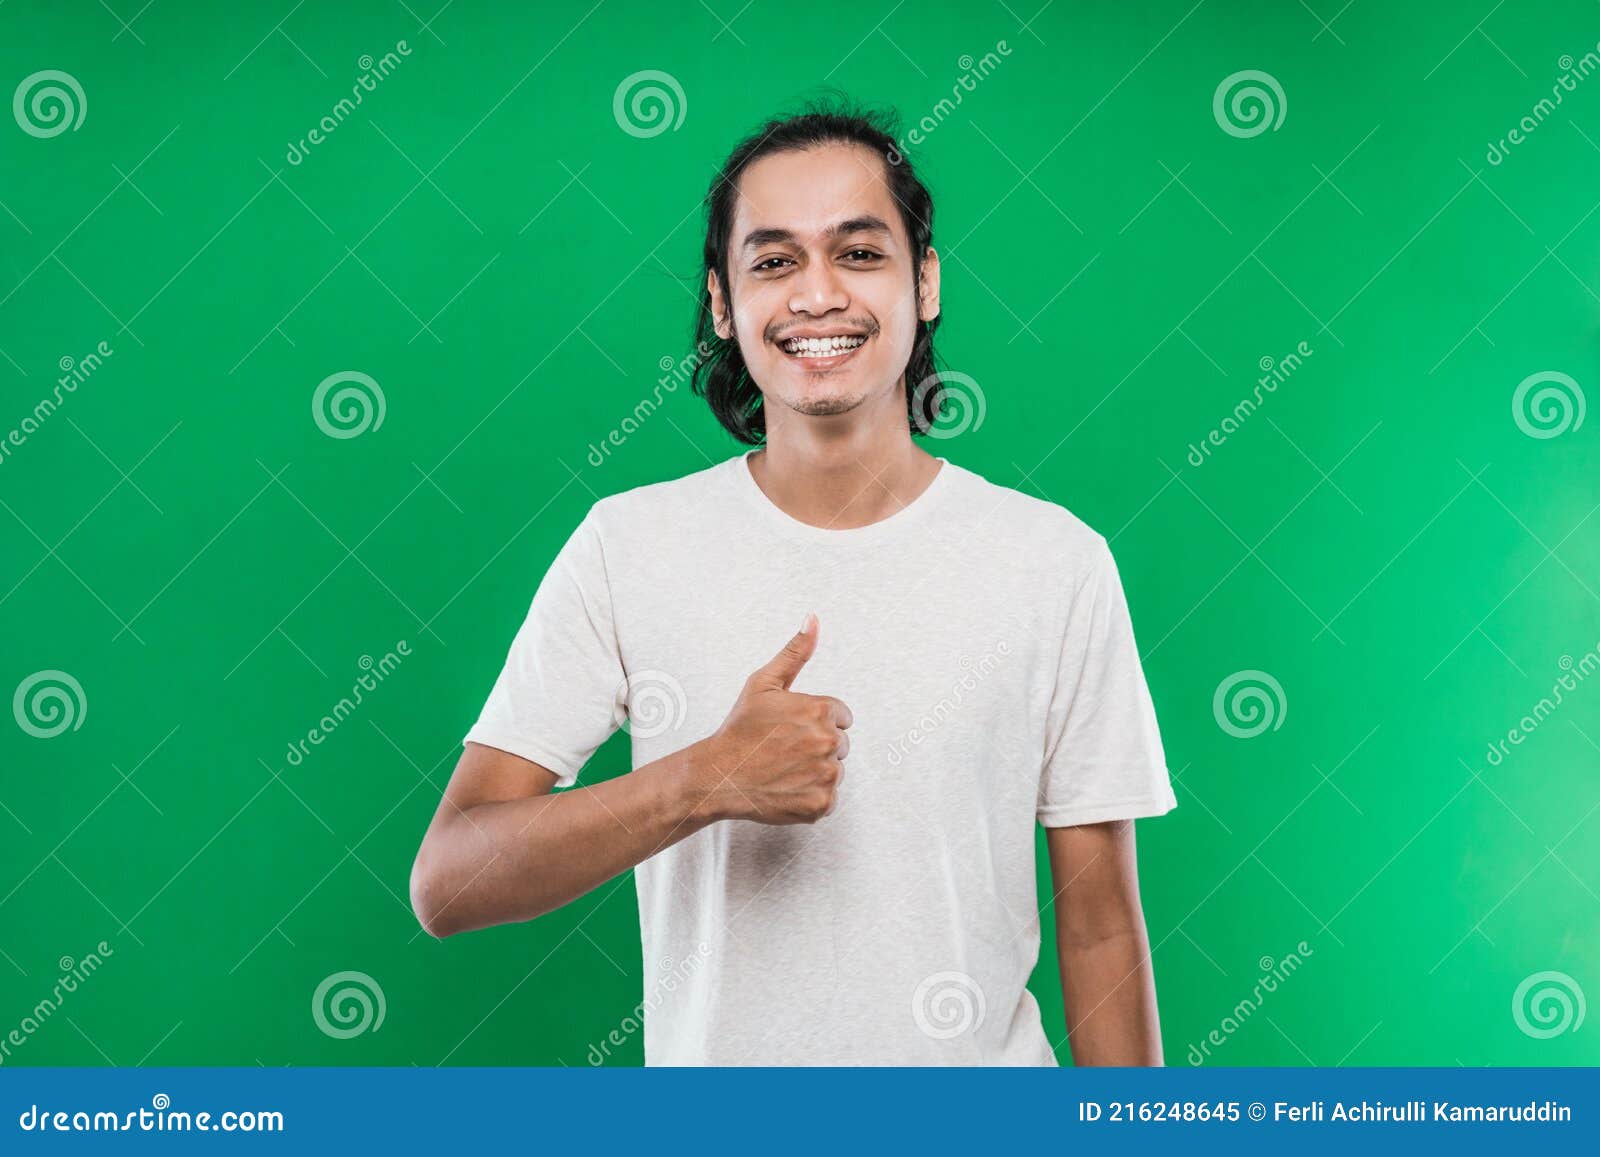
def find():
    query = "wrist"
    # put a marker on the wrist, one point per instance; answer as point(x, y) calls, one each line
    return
point(697, 781)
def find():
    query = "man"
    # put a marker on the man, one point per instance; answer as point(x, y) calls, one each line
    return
point(855, 676)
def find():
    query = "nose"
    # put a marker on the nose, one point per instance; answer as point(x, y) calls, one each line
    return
point(818, 289)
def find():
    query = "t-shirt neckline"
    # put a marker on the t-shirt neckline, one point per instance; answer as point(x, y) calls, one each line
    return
point(893, 525)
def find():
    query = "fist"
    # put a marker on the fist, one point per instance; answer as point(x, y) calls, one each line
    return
point(779, 755)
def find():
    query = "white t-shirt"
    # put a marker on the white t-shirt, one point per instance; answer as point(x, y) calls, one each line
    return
point(982, 641)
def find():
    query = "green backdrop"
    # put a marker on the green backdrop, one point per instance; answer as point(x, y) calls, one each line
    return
point(1397, 531)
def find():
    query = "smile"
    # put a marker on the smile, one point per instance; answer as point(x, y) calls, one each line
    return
point(823, 350)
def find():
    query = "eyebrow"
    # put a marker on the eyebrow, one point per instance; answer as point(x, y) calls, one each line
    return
point(866, 223)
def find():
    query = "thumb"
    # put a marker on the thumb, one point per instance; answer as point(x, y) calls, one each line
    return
point(779, 672)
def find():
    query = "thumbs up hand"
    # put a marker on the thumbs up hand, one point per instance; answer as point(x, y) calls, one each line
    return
point(778, 756)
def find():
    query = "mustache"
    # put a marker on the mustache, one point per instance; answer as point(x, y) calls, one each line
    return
point(867, 327)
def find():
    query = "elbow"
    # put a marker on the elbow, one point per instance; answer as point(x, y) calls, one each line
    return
point(426, 902)
point(1129, 936)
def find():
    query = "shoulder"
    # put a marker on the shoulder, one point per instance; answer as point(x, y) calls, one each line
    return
point(671, 503)
point(1025, 525)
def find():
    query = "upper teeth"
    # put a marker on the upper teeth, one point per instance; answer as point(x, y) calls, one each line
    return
point(815, 346)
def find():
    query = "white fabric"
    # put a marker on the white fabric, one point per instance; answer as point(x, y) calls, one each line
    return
point(982, 640)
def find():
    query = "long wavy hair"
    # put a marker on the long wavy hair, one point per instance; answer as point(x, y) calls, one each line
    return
point(720, 376)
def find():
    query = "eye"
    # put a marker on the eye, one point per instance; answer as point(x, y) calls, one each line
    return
point(861, 255)
point(767, 266)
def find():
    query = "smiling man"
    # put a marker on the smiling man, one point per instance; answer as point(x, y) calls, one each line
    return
point(856, 677)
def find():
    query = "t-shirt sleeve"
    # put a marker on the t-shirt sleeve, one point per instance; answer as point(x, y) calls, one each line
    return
point(1103, 754)
point(560, 694)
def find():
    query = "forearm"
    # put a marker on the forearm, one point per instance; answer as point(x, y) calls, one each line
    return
point(1109, 995)
point(502, 862)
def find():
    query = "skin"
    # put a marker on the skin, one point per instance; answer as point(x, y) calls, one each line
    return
point(504, 847)
point(839, 451)
point(1108, 986)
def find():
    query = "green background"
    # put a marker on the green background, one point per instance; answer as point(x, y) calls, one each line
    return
point(484, 240)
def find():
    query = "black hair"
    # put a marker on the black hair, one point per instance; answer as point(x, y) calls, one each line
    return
point(720, 374)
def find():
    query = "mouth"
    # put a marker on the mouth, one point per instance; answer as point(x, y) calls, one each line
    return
point(822, 353)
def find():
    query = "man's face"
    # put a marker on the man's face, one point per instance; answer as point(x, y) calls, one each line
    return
point(819, 268)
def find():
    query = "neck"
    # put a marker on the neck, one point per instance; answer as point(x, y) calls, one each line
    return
point(843, 482)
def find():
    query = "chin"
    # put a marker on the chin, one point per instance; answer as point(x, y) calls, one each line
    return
point(820, 398)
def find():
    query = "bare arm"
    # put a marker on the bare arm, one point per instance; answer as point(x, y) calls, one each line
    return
point(1107, 983)
point(504, 847)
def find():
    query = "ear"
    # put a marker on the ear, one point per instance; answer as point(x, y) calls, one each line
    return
point(928, 287)
point(719, 307)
